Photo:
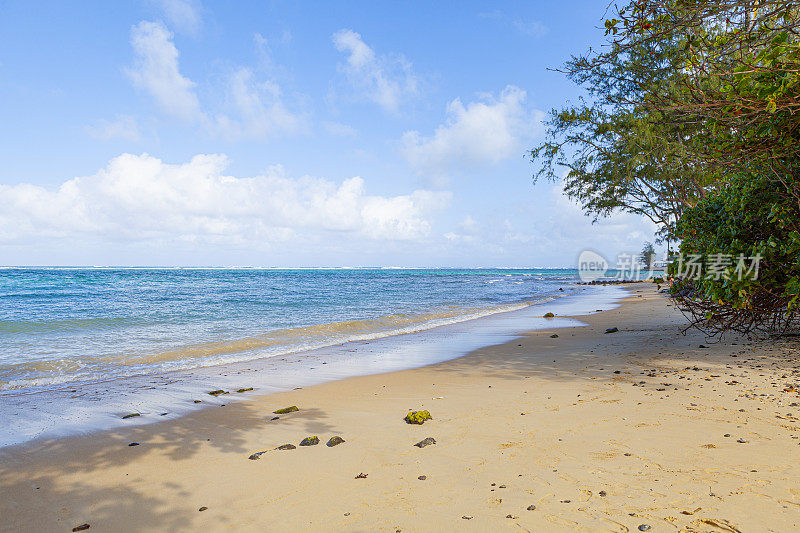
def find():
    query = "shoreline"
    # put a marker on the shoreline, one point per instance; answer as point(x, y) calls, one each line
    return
point(582, 427)
point(83, 407)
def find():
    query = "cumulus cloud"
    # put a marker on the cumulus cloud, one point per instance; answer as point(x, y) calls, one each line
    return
point(388, 81)
point(184, 15)
point(156, 71)
point(122, 127)
point(337, 129)
point(141, 198)
point(478, 134)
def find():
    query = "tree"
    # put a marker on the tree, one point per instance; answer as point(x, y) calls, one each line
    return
point(648, 255)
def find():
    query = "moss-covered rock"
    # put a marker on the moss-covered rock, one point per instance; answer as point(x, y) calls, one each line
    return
point(417, 417)
point(286, 410)
point(310, 441)
point(549, 315)
point(554, 336)
point(333, 441)
point(217, 392)
point(132, 415)
point(245, 390)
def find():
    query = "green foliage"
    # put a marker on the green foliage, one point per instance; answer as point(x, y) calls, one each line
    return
point(751, 216)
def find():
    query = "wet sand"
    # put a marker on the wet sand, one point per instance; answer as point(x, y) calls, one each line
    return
point(594, 431)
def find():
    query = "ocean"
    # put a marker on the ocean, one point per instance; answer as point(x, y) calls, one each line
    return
point(81, 344)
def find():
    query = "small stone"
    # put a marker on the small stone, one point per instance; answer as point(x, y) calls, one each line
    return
point(133, 444)
point(501, 487)
point(422, 478)
point(82, 527)
point(644, 527)
point(275, 418)
point(333, 441)
point(617, 372)
point(286, 410)
point(245, 390)
point(566, 501)
point(612, 330)
point(132, 415)
point(203, 508)
point(427, 441)
point(286, 447)
point(549, 315)
point(310, 441)
point(741, 441)
point(217, 392)
point(362, 475)
point(727, 435)
point(467, 517)
point(602, 493)
point(511, 516)
point(553, 336)
point(626, 454)
point(347, 514)
point(197, 401)
point(256, 456)
point(531, 508)
point(417, 417)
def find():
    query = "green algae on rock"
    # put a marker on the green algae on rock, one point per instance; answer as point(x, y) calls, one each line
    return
point(417, 417)
point(286, 410)
point(310, 441)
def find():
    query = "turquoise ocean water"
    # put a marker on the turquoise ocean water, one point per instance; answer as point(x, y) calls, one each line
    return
point(81, 346)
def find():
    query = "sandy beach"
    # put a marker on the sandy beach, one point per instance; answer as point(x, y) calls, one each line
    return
point(643, 428)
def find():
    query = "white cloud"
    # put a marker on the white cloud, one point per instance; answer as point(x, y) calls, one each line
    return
point(156, 71)
point(388, 81)
point(184, 15)
point(122, 127)
point(141, 198)
point(258, 109)
point(481, 133)
point(338, 129)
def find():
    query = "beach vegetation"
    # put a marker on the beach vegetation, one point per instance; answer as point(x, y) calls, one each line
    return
point(691, 118)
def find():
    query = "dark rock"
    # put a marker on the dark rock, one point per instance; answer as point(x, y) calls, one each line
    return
point(203, 508)
point(217, 392)
point(422, 478)
point(333, 441)
point(245, 390)
point(741, 441)
point(644, 527)
point(511, 516)
point(612, 330)
point(362, 475)
point(427, 441)
point(82, 527)
point(617, 372)
point(132, 415)
point(133, 444)
point(257, 455)
point(286, 447)
point(554, 336)
point(531, 508)
point(310, 441)
point(602, 493)
point(549, 315)
point(417, 417)
point(275, 418)
point(467, 517)
point(197, 401)
point(286, 410)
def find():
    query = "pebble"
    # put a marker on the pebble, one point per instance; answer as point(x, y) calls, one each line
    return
point(612, 330)
point(602, 493)
point(511, 516)
point(82, 527)
point(422, 478)
point(644, 527)
point(531, 508)
point(333, 441)
point(286, 447)
point(467, 517)
point(203, 508)
point(425, 442)
point(275, 418)
point(133, 444)
point(362, 475)
point(310, 441)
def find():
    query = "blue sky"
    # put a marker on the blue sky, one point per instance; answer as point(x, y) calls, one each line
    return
point(179, 132)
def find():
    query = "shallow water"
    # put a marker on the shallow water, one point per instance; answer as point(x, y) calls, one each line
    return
point(159, 394)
